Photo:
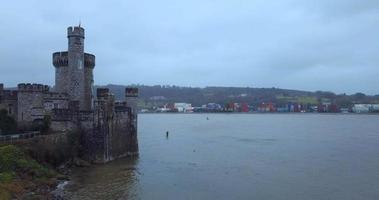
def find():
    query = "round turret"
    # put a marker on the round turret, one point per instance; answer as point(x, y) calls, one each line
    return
point(89, 60)
point(75, 31)
point(74, 69)
point(60, 59)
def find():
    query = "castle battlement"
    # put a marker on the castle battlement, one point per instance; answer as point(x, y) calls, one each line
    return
point(108, 127)
point(75, 31)
point(60, 59)
point(89, 60)
point(32, 87)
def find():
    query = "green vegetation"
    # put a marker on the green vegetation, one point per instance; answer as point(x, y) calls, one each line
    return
point(57, 150)
point(15, 163)
point(6, 177)
point(27, 168)
point(8, 125)
point(4, 194)
point(46, 122)
point(297, 99)
point(19, 173)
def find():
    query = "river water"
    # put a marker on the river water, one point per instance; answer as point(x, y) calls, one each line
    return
point(242, 156)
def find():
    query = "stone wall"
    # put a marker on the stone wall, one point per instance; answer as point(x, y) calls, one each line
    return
point(113, 134)
point(111, 137)
point(8, 101)
point(60, 62)
point(34, 101)
point(30, 102)
point(62, 126)
point(54, 100)
point(131, 96)
point(88, 87)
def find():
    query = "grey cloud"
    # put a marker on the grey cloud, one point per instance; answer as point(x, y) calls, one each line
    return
point(309, 45)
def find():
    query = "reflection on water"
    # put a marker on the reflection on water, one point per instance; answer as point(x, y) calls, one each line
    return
point(116, 180)
point(236, 156)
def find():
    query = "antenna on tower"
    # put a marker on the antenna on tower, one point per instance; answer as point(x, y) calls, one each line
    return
point(80, 22)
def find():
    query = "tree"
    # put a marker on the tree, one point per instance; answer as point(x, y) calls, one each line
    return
point(8, 125)
point(46, 124)
point(359, 96)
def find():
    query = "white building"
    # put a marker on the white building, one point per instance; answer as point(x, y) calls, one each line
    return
point(375, 108)
point(361, 108)
point(183, 107)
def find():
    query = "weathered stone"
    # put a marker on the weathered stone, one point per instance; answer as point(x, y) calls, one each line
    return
point(8, 101)
point(74, 69)
point(109, 127)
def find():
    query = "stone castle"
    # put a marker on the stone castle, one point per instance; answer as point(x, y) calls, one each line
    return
point(109, 126)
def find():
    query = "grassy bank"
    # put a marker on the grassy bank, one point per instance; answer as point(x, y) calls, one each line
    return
point(20, 174)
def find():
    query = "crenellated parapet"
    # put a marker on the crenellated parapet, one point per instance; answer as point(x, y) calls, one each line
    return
point(89, 60)
point(60, 59)
point(131, 96)
point(75, 31)
point(114, 132)
point(32, 87)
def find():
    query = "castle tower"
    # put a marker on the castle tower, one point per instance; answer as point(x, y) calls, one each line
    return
point(30, 101)
point(131, 97)
point(74, 70)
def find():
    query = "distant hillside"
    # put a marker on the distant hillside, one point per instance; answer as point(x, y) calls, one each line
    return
point(159, 95)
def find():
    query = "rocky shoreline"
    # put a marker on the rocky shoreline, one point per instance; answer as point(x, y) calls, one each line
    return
point(22, 177)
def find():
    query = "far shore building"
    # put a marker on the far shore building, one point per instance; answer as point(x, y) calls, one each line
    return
point(365, 108)
point(183, 107)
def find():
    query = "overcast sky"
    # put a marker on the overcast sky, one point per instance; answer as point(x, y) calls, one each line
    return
point(330, 45)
